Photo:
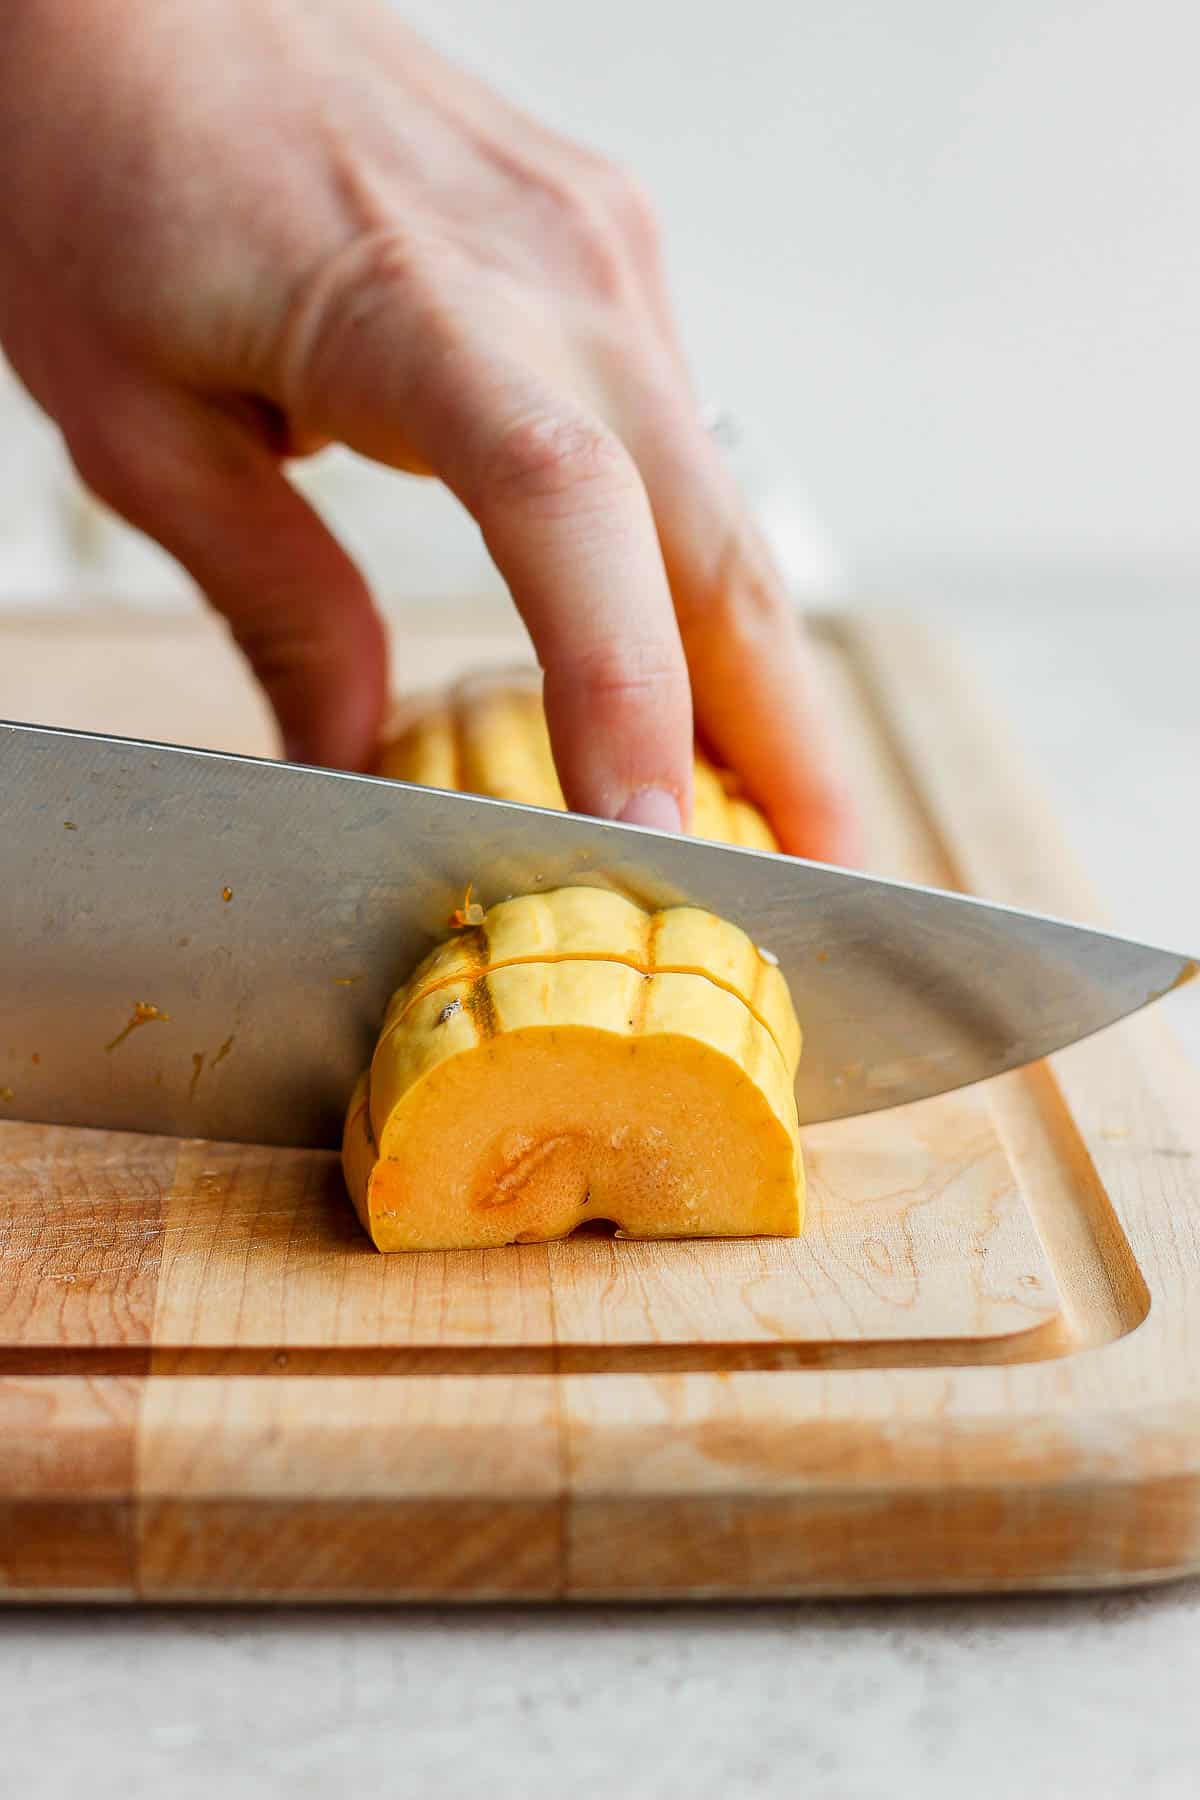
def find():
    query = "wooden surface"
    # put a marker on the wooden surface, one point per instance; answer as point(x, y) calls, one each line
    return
point(977, 1369)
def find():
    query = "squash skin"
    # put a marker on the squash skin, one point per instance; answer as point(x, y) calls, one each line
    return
point(572, 1056)
point(585, 923)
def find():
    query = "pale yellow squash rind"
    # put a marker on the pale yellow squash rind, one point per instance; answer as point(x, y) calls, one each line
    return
point(584, 922)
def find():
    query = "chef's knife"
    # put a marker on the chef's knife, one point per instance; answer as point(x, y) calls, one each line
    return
point(204, 944)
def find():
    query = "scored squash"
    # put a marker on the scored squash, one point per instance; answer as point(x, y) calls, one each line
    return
point(569, 1056)
point(489, 736)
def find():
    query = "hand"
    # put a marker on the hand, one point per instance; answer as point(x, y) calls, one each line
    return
point(233, 233)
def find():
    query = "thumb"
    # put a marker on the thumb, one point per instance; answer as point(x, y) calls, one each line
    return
point(207, 486)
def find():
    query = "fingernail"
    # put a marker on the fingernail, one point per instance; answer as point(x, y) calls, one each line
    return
point(652, 806)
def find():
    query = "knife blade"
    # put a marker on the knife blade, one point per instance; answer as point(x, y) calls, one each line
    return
point(204, 944)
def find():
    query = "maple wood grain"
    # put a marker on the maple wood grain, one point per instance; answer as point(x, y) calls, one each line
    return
point(978, 1369)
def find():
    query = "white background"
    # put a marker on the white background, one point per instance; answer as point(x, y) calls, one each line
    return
point(940, 257)
point(947, 253)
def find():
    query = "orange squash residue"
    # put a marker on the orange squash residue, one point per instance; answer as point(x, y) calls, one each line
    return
point(469, 914)
point(144, 1013)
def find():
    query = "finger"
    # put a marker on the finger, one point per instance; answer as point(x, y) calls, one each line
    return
point(204, 484)
point(755, 680)
point(565, 516)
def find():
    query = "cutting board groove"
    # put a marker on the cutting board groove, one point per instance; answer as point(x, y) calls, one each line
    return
point(977, 1369)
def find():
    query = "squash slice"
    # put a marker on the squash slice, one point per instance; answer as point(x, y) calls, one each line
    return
point(513, 1100)
point(569, 1056)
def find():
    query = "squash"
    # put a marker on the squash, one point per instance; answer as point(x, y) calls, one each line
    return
point(489, 736)
point(569, 1056)
point(525, 1082)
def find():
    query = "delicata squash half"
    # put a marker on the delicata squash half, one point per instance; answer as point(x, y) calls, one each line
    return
point(569, 1056)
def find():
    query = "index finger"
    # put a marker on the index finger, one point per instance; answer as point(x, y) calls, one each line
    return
point(566, 517)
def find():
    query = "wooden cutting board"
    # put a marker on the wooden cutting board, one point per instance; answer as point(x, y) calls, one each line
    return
point(979, 1368)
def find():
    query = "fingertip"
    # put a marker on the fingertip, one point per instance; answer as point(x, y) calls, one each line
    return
point(825, 831)
point(653, 807)
point(621, 731)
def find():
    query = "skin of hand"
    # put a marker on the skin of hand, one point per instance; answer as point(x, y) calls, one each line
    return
point(233, 233)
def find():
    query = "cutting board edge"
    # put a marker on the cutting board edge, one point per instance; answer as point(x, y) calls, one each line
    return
point(776, 1527)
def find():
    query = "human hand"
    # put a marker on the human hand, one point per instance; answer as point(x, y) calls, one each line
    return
point(233, 233)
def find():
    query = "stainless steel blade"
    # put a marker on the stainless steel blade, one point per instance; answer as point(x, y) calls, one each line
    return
point(204, 944)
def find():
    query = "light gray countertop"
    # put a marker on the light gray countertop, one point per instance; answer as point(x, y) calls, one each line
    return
point(1062, 1696)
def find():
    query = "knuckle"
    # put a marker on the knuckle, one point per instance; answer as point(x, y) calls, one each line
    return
point(596, 216)
point(551, 462)
point(631, 206)
point(601, 256)
point(642, 671)
point(381, 274)
point(383, 263)
point(743, 600)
